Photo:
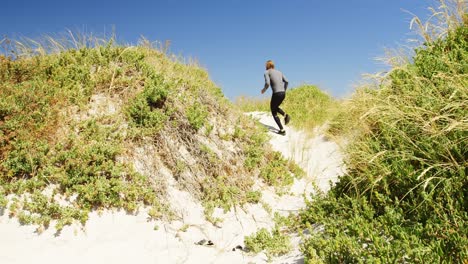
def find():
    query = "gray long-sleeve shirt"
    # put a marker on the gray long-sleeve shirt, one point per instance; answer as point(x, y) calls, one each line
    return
point(276, 80)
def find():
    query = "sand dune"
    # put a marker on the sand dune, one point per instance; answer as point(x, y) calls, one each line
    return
point(116, 237)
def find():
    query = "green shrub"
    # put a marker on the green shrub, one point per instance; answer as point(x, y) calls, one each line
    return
point(276, 172)
point(156, 91)
point(85, 167)
point(22, 162)
point(274, 243)
point(253, 196)
point(254, 148)
point(309, 107)
point(56, 143)
point(133, 56)
point(36, 94)
point(147, 108)
point(197, 115)
point(3, 200)
point(404, 197)
point(222, 193)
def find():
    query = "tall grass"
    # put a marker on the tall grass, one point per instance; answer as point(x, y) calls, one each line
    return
point(404, 198)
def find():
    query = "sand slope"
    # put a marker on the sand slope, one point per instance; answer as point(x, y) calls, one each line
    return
point(115, 237)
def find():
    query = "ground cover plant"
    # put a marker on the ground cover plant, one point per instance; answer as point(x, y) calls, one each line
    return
point(87, 124)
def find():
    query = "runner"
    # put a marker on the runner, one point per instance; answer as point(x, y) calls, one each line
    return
point(279, 84)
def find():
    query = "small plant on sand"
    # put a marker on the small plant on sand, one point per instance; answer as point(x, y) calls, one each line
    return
point(196, 115)
point(146, 110)
point(273, 242)
point(254, 148)
point(277, 171)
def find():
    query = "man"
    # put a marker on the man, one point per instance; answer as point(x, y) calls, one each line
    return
point(279, 84)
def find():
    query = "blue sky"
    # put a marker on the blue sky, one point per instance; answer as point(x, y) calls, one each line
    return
point(327, 43)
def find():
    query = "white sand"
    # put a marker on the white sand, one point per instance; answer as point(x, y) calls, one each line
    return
point(115, 237)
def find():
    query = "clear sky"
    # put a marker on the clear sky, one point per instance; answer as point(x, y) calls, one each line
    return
point(329, 43)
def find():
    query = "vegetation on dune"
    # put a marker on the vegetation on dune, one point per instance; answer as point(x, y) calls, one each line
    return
point(91, 125)
point(273, 242)
point(252, 104)
point(404, 198)
point(307, 105)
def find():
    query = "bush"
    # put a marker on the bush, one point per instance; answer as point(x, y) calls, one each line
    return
point(147, 108)
point(276, 171)
point(196, 115)
point(309, 107)
point(36, 95)
point(274, 243)
point(72, 121)
point(404, 197)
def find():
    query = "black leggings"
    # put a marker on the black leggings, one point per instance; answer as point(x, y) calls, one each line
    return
point(276, 100)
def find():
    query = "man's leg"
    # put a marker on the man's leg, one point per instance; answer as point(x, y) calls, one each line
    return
point(287, 118)
point(276, 100)
point(281, 111)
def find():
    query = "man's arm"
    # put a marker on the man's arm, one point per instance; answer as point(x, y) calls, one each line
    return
point(285, 80)
point(267, 82)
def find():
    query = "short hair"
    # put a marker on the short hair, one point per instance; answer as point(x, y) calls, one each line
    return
point(270, 64)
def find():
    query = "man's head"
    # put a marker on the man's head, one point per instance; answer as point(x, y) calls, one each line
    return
point(270, 65)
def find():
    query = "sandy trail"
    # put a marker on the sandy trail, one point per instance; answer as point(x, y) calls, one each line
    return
point(116, 237)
